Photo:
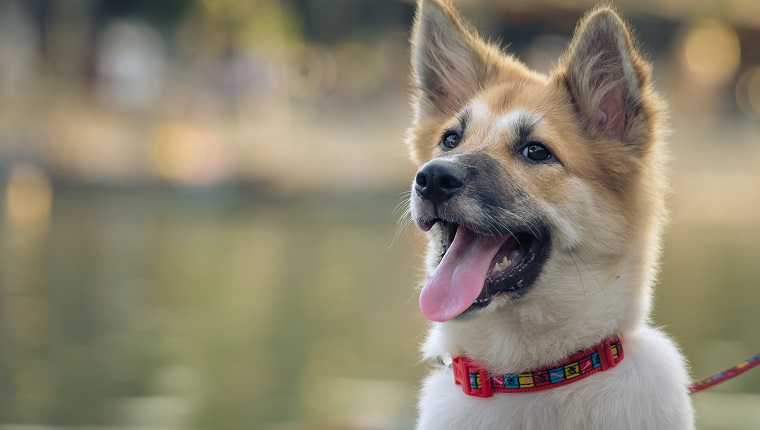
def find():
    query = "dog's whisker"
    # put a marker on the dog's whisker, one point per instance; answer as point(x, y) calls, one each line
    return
point(532, 227)
point(492, 226)
point(404, 202)
point(500, 225)
point(583, 285)
point(546, 97)
point(414, 294)
point(404, 220)
point(594, 276)
point(416, 259)
point(551, 109)
point(416, 338)
point(400, 227)
point(415, 241)
point(500, 318)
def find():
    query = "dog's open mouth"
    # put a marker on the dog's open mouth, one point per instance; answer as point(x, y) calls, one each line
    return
point(475, 268)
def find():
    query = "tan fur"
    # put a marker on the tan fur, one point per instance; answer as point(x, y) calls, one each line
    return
point(604, 201)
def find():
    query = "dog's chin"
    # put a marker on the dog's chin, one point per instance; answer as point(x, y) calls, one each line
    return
point(514, 268)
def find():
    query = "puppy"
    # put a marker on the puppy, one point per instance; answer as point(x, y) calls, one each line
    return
point(543, 201)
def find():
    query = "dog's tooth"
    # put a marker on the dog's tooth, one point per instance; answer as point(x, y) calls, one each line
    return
point(496, 268)
point(505, 262)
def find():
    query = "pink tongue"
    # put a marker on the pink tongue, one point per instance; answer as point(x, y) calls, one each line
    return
point(459, 279)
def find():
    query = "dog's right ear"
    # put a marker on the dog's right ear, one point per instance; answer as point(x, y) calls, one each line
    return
point(447, 65)
point(606, 76)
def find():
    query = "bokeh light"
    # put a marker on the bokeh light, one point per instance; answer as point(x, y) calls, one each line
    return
point(303, 70)
point(710, 51)
point(185, 154)
point(28, 197)
point(748, 92)
point(130, 65)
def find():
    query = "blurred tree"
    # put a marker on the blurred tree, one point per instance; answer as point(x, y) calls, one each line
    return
point(165, 12)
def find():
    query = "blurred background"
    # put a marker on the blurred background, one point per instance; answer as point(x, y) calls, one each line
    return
point(197, 221)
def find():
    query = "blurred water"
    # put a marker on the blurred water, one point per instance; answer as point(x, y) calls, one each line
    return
point(221, 310)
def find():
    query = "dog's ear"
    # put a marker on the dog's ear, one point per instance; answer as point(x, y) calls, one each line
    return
point(605, 74)
point(447, 59)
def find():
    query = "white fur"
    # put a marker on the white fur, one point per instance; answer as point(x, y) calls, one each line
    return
point(510, 119)
point(492, 128)
point(645, 391)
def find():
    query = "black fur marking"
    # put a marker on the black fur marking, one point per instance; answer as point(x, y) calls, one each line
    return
point(524, 128)
point(464, 118)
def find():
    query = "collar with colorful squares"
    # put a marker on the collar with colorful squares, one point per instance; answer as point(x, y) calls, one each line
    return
point(477, 381)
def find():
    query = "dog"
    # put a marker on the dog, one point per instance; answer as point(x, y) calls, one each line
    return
point(542, 197)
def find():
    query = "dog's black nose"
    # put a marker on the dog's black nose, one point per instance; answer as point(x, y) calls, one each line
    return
point(438, 181)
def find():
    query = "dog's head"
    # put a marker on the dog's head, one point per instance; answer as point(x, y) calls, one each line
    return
point(531, 185)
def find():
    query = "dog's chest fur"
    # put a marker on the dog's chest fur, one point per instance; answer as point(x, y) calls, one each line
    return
point(642, 392)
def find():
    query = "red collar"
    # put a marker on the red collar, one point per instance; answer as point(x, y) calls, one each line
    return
point(477, 381)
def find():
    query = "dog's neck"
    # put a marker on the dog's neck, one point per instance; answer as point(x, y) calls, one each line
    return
point(479, 382)
point(528, 334)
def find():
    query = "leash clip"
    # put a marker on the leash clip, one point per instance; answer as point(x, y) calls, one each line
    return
point(474, 380)
point(608, 352)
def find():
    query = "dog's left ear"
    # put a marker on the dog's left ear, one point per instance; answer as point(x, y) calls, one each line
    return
point(605, 75)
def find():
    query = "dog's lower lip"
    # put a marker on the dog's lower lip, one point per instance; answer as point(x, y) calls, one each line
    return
point(520, 275)
point(449, 232)
point(426, 225)
point(516, 280)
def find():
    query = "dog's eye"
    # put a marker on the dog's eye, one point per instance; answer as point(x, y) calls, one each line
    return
point(536, 152)
point(450, 140)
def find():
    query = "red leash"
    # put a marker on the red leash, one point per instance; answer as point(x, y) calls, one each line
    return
point(705, 383)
